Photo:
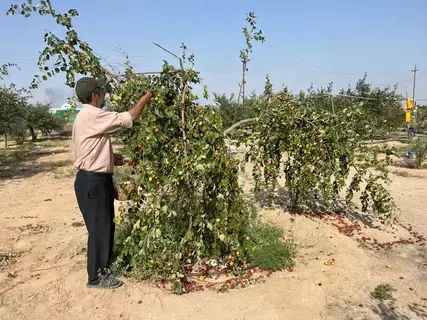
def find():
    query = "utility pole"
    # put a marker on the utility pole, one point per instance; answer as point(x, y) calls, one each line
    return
point(413, 94)
point(415, 76)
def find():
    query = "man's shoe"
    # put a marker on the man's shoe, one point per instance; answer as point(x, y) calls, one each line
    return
point(105, 282)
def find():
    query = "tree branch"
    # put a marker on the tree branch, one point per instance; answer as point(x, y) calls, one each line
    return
point(238, 124)
point(171, 53)
point(147, 72)
point(184, 134)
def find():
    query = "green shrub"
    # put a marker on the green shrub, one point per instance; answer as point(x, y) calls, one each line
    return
point(383, 292)
point(419, 146)
point(268, 248)
point(77, 224)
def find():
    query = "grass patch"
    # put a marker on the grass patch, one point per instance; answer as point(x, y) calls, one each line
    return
point(77, 224)
point(65, 170)
point(20, 154)
point(401, 151)
point(269, 250)
point(383, 292)
point(7, 258)
point(35, 228)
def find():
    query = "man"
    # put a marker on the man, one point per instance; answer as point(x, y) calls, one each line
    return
point(95, 162)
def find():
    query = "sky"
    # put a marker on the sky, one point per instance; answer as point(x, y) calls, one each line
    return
point(307, 41)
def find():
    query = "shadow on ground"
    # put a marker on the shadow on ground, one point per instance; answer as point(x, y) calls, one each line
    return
point(21, 170)
point(316, 207)
point(30, 159)
point(419, 310)
point(390, 312)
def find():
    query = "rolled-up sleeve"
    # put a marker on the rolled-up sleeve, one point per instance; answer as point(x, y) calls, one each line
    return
point(108, 122)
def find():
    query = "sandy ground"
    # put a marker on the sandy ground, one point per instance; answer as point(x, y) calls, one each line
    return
point(45, 276)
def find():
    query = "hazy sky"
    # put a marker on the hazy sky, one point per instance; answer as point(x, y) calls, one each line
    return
point(308, 41)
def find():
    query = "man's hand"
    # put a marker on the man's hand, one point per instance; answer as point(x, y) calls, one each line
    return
point(118, 160)
point(135, 112)
point(148, 95)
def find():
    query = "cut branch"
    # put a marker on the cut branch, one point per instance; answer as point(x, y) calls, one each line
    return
point(147, 72)
point(183, 93)
point(171, 53)
point(184, 134)
point(241, 89)
point(238, 124)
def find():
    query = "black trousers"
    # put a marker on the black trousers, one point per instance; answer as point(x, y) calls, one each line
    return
point(95, 197)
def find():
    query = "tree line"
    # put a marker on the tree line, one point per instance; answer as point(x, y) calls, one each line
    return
point(19, 118)
point(381, 107)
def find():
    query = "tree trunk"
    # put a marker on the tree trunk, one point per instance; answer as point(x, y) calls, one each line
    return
point(33, 134)
point(5, 140)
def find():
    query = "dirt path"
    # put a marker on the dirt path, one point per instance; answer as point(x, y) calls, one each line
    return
point(46, 278)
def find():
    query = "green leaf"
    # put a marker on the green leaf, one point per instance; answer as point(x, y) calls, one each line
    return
point(158, 233)
point(137, 225)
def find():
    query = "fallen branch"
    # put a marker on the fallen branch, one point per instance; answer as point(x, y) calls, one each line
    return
point(17, 284)
point(49, 268)
point(238, 124)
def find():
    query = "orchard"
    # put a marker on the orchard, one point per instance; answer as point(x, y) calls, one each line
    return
point(185, 212)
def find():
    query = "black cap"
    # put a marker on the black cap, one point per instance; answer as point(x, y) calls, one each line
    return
point(86, 86)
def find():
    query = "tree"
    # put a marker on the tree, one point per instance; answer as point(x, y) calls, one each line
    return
point(315, 149)
point(186, 211)
point(39, 117)
point(226, 107)
point(382, 107)
point(421, 119)
point(419, 146)
point(251, 35)
point(4, 69)
point(13, 103)
point(17, 116)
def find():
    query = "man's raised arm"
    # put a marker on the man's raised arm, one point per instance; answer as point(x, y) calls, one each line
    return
point(136, 110)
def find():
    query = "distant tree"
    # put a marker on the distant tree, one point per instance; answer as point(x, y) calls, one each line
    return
point(226, 106)
point(39, 117)
point(421, 119)
point(18, 116)
point(382, 106)
point(13, 103)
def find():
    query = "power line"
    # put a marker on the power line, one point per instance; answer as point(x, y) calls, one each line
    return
point(310, 68)
point(350, 74)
